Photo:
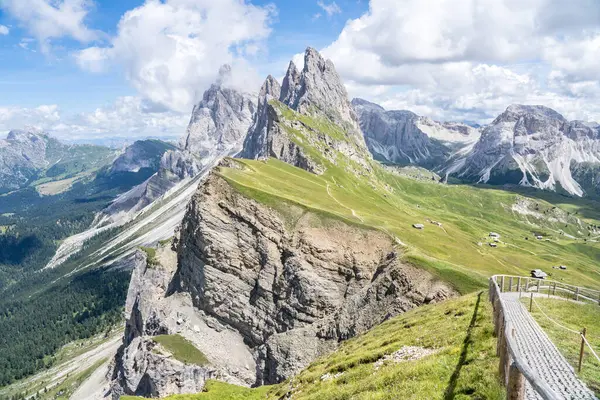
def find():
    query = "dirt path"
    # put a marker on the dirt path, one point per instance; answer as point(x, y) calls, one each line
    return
point(354, 214)
point(96, 387)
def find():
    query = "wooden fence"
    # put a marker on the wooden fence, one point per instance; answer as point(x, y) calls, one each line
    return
point(508, 283)
point(514, 370)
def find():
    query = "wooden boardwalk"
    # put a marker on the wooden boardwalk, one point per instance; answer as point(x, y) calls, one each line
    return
point(542, 355)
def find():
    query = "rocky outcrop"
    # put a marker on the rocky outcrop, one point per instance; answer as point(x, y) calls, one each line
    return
point(220, 121)
point(142, 154)
point(531, 146)
point(142, 366)
point(300, 113)
point(402, 137)
point(291, 291)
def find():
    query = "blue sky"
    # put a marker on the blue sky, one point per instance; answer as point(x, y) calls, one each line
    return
point(134, 68)
point(30, 78)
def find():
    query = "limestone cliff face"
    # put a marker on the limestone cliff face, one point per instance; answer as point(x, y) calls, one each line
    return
point(293, 286)
point(220, 121)
point(261, 292)
point(143, 367)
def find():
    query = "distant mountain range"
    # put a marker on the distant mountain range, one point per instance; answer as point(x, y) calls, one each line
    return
point(530, 146)
point(29, 156)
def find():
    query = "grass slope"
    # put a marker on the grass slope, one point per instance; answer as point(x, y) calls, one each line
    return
point(463, 366)
point(392, 203)
point(181, 349)
point(574, 316)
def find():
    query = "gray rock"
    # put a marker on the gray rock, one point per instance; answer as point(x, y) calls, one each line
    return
point(402, 137)
point(220, 121)
point(142, 367)
point(292, 293)
point(142, 154)
point(256, 142)
point(531, 146)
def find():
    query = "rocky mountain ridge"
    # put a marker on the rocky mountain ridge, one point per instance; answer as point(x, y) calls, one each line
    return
point(28, 155)
point(402, 137)
point(220, 121)
point(531, 146)
point(309, 111)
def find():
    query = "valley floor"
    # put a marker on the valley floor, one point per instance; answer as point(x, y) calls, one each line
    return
point(78, 373)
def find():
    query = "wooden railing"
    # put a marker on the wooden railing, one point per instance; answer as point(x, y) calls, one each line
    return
point(508, 283)
point(514, 370)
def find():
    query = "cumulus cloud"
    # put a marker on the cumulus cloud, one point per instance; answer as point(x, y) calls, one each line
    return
point(330, 9)
point(470, 59)
point(130, 117)
point(171, 50)
point(52, 19)
point(4, 30)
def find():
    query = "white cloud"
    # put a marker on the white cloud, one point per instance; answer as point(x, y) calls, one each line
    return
point(129, 117)
point(330, 9)
point(171, 50)
point(470, 59)
point(52, 19)
point(4, 30)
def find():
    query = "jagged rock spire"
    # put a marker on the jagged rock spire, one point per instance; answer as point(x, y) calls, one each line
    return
point(319, 88)
point(270, 88)
point(290, 85)
point(256, 140)
point(220, 120)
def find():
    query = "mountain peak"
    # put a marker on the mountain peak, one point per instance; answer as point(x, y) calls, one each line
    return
point(23, 135)
point(270, 87)
point(220, 120)
point(534, 110)
point(358, 102)
point(319, 88)
point(312, 58)
point(290, 83)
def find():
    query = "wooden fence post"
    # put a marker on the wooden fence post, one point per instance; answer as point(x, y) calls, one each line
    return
point(500, 334)
point(577, 294)
point(516, 384)
point(531, 303)
point(520, 288)
point(503, 358)
point(510, 284)
point(581, 350)
point(554, 289)
point(502, 283)
point(538, 285)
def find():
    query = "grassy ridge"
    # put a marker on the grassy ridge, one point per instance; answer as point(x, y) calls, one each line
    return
point(393, 203)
